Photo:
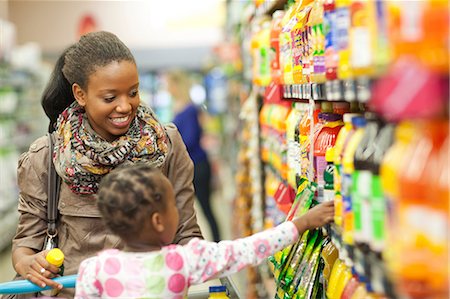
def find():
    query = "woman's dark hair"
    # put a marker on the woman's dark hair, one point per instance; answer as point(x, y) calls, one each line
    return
point(128, 195)
point(76, 64)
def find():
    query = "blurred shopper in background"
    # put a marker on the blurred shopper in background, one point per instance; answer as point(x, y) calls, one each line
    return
point(187, 119)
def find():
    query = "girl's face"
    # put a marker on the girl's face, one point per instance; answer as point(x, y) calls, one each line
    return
point(111, 98)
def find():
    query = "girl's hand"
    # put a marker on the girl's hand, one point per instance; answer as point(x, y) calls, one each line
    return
point(36, 269)
point(316, 217)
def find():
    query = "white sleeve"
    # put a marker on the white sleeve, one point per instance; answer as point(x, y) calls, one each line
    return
point(87, 283)
point(208, 260)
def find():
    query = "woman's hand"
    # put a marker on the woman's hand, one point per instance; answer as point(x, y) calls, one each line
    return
point(316, 217)
point(36, 268)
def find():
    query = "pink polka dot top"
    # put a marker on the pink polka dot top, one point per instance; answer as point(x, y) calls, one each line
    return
point(169, 272)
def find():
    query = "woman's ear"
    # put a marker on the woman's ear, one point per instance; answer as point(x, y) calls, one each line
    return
point(157, 222)
point(79, 94)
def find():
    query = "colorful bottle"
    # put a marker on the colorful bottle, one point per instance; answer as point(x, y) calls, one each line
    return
point(362, 180)
point(341, 141)
point(393, 161)
point(378, 212)
point(56, 257)
point(350, 288)
point(359, 124)
point(326, 138)
point(328, 176)
point(342, 281)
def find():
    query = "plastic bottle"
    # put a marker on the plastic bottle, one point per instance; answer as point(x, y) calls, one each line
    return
point(393, 161)
point(348, 167)
point(350, 288)
point(342, 281)
point(325, 139)
point(336, 273)
point(377, 214)
point(341, 141)
point(218, 292)
point(328, 176)
point(330, 33)
point(56, 257)
point(362, 180)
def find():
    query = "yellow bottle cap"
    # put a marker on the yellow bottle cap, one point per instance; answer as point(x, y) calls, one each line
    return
point(55, 257)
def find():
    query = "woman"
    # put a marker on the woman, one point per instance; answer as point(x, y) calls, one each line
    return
point(92, 100)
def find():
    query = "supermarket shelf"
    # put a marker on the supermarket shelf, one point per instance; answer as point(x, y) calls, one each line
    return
point(337, 90)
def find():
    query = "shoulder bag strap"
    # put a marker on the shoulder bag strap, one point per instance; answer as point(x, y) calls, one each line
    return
point(54, 184)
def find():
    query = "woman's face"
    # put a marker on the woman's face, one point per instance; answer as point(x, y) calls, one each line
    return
point(111, 98)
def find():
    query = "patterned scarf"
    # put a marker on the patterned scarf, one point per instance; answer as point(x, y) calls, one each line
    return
point(82, 157)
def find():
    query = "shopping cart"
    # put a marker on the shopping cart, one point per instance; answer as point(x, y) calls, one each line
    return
point(68, 281)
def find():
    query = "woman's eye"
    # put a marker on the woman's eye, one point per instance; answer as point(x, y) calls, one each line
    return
point(109, 99)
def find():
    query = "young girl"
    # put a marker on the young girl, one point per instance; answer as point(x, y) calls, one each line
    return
point(138, 204)
point(99, 123)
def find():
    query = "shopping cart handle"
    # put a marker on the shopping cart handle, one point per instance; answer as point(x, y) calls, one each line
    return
point(25, 286)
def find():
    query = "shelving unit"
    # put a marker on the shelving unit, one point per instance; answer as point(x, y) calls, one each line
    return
point(364, 262)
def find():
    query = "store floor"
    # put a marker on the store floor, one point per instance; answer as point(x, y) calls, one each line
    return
point(222, 208)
